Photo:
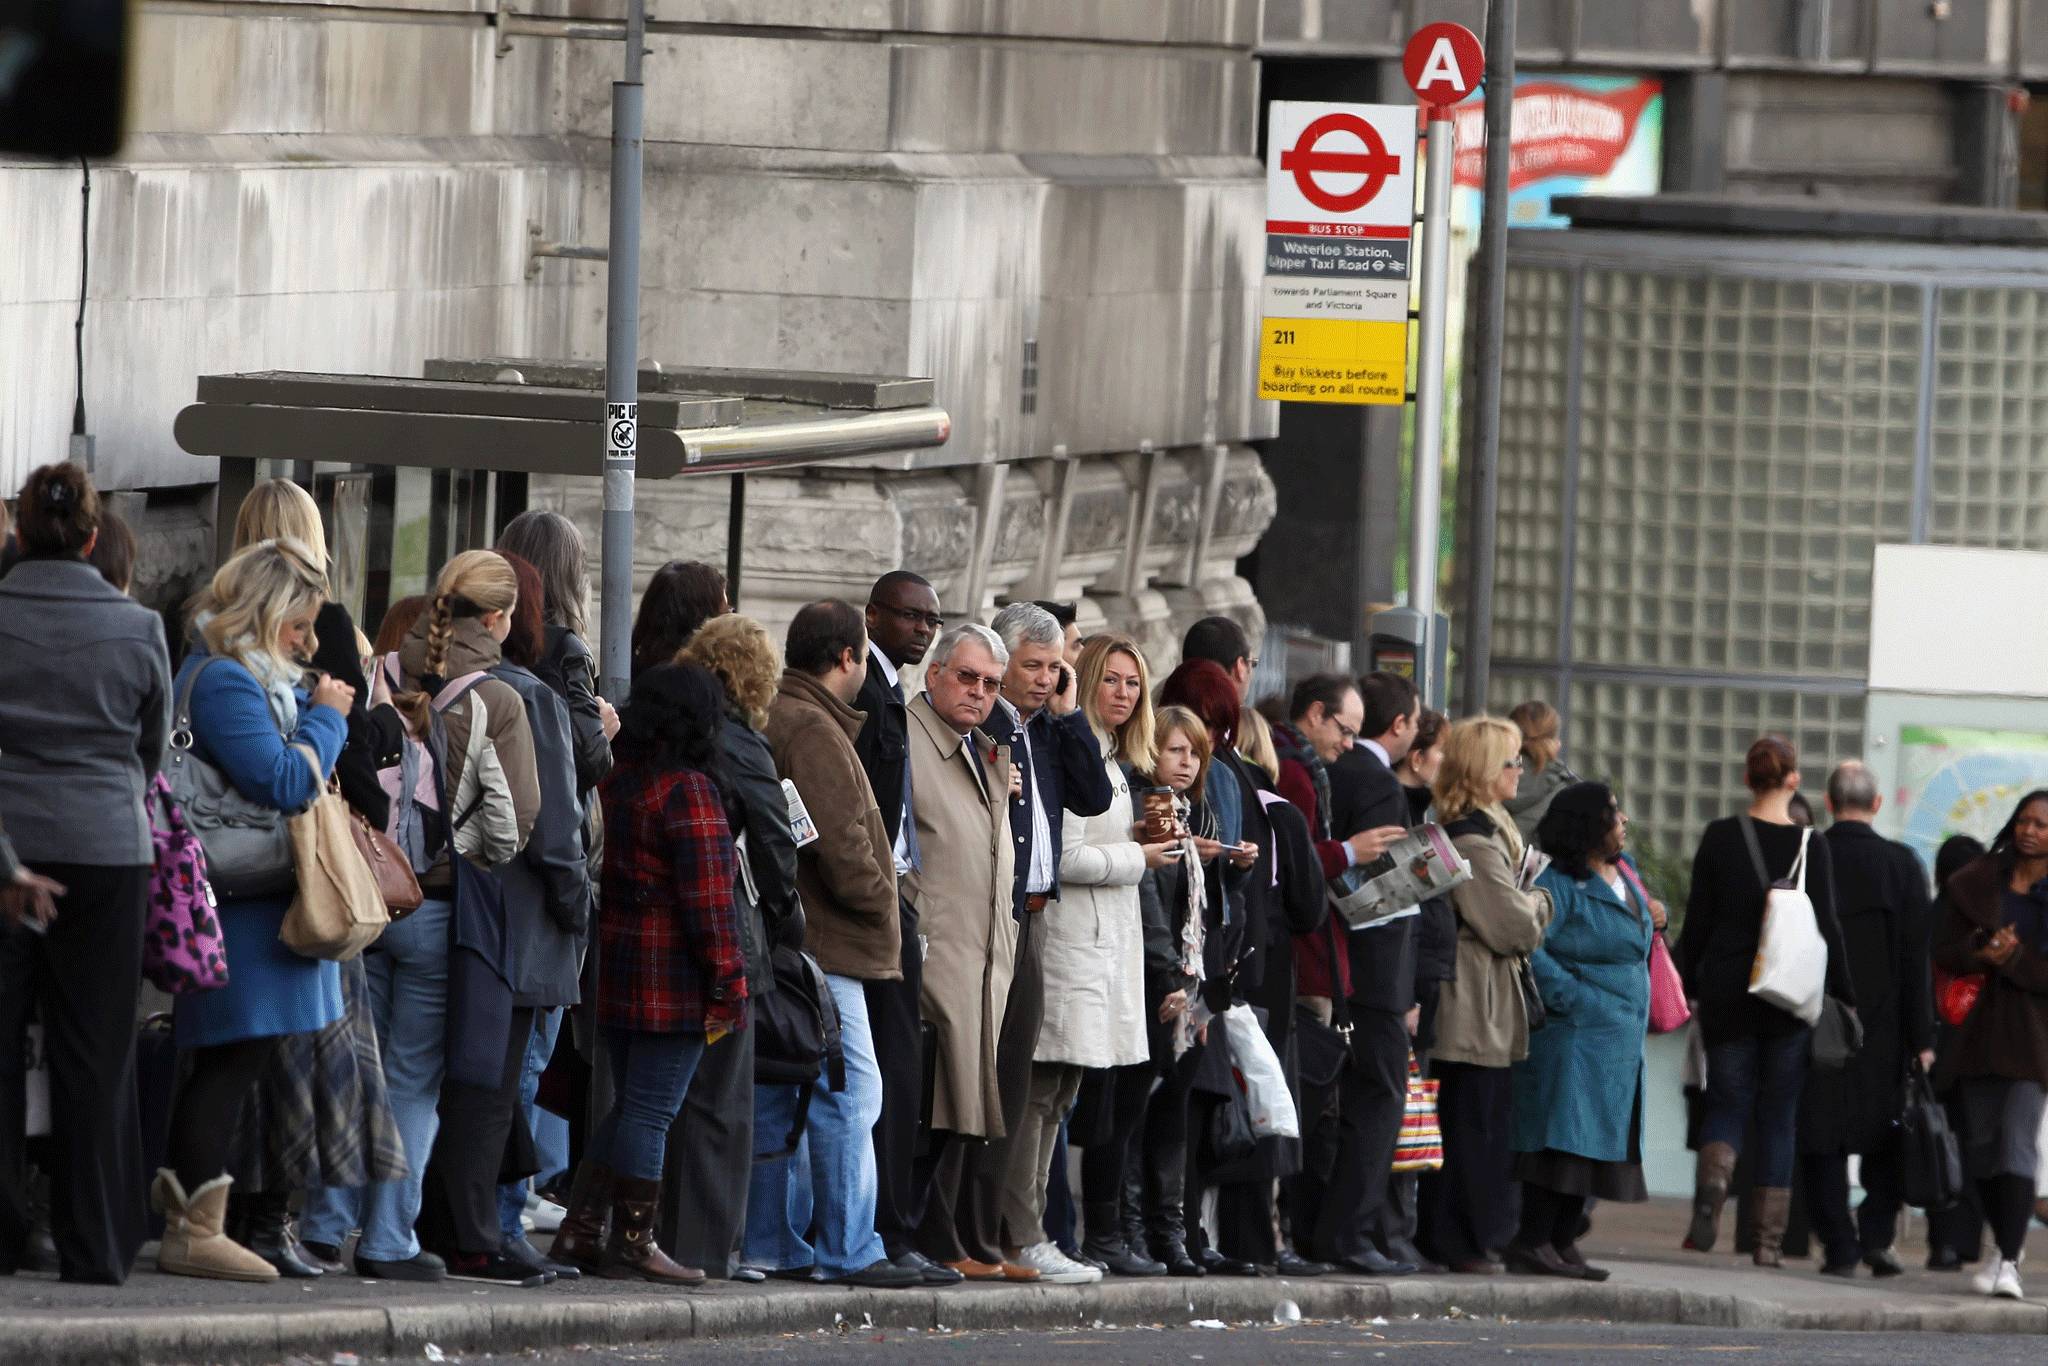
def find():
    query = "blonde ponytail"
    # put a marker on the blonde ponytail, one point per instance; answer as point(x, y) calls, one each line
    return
point(471, 584)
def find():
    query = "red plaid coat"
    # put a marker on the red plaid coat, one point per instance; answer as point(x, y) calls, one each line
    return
point(668, 936)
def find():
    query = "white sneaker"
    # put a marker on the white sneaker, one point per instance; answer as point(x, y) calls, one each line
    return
point(1985, 1280)
point(545, 1215)
point(2008, 1284)
point(1054, 1267)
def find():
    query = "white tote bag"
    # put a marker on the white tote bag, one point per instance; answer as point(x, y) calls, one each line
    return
point(1791, 967)
point(1265, 1084)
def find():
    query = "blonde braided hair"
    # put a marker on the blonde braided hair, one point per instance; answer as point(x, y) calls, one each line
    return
point(471, 584)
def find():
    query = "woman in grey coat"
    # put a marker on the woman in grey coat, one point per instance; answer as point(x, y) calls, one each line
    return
point(84, 716)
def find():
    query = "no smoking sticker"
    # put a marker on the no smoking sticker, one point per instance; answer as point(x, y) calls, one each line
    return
point(622, 427)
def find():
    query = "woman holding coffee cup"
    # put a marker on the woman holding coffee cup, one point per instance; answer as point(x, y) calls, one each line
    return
point(1094, 1029)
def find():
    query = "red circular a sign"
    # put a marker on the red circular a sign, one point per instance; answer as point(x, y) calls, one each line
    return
point(1443, 63)
point(1375, 163)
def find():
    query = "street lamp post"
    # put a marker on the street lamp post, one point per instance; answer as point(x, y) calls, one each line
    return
point(622, 366)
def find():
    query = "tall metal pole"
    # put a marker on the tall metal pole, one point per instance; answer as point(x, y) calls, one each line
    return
point(622, 367)
point(1429, 394)
point(1484, 448)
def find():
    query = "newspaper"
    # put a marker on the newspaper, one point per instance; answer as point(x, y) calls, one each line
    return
point(1422, 864)
point(1534, 861)
point(801, 827)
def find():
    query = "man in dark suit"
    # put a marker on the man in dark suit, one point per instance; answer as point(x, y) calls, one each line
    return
point(903, 617)
point(1039, 719)
point(1881, 897)
point(1373, 1088)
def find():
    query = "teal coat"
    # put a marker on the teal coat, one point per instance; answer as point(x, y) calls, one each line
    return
point(1582, 1082)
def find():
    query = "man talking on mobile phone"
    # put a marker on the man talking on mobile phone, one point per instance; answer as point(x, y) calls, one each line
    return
point(1054, 752)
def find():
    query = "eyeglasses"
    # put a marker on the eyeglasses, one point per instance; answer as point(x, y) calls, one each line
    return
point(976, 682)
point(1517, 762)
point(912, 615)
point(1347, 735)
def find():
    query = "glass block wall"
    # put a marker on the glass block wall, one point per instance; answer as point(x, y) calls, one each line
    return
point(1703, 442)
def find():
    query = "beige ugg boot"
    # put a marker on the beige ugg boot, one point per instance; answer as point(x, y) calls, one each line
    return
point(193, 1243)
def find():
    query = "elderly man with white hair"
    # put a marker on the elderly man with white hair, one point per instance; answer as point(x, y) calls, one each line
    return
point(1881, 898)
point(959, 890)
point(1038, 721)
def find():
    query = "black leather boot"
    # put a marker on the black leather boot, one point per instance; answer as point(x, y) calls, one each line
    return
point(268, 1234)
point(1165, 1187)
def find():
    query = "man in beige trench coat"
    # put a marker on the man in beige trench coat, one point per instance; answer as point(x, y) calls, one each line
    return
point(961, 893)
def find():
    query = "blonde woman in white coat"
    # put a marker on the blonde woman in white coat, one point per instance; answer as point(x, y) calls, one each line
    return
point(1095, 1025)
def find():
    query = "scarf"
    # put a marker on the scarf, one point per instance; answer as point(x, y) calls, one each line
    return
point(1292, 744)
point(1191, 925)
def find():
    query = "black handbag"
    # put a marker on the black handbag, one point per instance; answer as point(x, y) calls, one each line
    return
point(796, 1037)
point(1230, 1137)
point(1932, 1161)
point(1837, 1036)
point(1320, 1049)
point(1532, 999)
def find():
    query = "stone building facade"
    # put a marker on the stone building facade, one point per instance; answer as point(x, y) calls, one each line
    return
point(1051, 209)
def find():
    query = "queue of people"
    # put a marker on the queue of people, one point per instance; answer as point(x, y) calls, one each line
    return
point(815, 961)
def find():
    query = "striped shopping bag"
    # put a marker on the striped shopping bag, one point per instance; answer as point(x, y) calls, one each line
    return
point(1421, 1146)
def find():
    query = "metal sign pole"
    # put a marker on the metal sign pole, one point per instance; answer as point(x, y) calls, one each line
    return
point(622, 368)
point(1429, 390)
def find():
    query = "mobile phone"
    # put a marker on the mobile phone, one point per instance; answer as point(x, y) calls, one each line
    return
point(1065, 677)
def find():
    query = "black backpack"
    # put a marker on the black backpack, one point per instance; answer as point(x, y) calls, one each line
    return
point(796, 1036)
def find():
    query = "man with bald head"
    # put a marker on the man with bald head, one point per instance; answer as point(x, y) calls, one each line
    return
point(1881, 898)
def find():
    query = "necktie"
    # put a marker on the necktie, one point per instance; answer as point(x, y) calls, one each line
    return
point(910, 851)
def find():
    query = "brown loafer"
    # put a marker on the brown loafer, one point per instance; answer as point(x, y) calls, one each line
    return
point(976, 1271)
point(1477, 1266)
point(1014, 1272)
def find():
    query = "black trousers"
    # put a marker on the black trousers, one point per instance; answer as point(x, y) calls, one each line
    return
point(1468, 1208)
point(1826, 1181)
point(709, 1161)
point(1549, 1218)
point(898, 1031)
point(1884, 1196)
point(1372, 1098)
point(1124, 1092)
point(459, 1206)
point(207, 1109)
point(81, 974)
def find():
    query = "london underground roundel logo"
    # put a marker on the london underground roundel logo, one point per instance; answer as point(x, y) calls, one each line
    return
point(1309, 157)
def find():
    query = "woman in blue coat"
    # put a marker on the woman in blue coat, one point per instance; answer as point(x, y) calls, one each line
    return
point(1578, 1096)
point(242, 707)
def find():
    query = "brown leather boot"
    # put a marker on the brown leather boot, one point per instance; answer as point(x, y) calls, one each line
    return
point(1709, 1193)
point(631, 1253)
point(1771, 1206)
point(579, 1242)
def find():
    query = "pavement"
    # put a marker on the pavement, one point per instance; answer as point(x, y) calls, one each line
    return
point(162, 1319)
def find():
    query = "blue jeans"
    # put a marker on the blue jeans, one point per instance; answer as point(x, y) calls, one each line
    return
point(650, 1076)
point(1764, 1076)
point(408, 977)
point(832, 1172)
point(540, 1047)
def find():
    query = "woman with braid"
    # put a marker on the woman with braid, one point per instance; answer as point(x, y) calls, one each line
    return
point(439, 669)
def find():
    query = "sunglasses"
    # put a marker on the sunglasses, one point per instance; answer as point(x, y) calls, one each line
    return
point(1517, 762)
point(976, 682)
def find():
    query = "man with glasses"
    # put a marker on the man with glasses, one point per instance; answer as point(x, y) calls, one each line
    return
point(1038, 720)
point(902, 618)
point(958, 895)
point(1379, 980)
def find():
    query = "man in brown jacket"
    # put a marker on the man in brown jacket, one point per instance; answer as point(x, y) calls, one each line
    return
point(846, 878)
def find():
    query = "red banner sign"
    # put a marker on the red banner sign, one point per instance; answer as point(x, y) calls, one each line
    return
point(1559, 130)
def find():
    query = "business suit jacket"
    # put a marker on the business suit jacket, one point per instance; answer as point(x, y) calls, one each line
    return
point(1365, 794)
point(884, 744)
point(961, 894)
point(1065, 762)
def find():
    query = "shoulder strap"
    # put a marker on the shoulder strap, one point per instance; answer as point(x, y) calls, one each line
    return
point(1635, 881)
point(456, 688)
point(1756, 852)
point(1798, 873)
